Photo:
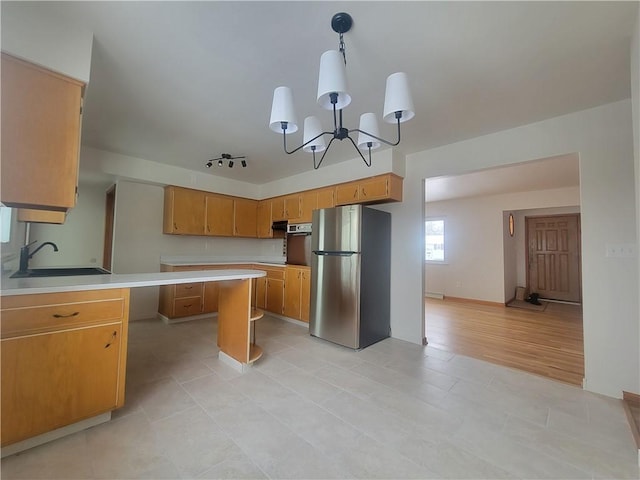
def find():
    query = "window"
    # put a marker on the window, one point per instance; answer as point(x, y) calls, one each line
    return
point(5, 224)
point(434, 240)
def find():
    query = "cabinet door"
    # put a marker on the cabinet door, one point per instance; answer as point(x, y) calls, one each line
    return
point(245, 214)
point(374, 189)
point(210, 297)
point(263, 221)
point(292, 282)
point(305, 294)
point(219, 214)
point(55, 379)
point(275, 295)
point(292, 205)
point(347, 193)
point(184, 211)
point(40, 124)
point(277, 209)
point(261, 293)
point(326, 198)
point(308, 203)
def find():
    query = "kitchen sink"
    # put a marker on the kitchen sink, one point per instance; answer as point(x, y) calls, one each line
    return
point(60, 272)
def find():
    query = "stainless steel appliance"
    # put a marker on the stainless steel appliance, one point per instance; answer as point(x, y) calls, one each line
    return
point(350, 275)
point(299, 244)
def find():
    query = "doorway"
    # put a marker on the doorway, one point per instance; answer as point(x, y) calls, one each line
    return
point(110, 208)
point(553, 257)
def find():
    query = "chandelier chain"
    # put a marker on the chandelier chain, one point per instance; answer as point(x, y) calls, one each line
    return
point(342, 49)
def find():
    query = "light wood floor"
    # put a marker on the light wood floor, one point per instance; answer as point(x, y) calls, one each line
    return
point(548, 343)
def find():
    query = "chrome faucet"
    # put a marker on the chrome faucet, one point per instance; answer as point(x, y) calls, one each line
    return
point(25, 255)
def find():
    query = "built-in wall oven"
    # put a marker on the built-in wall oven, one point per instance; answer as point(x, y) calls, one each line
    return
point(299, 244)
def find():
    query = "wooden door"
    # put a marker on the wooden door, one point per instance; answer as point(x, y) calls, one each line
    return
point(347, 193)
point(41, 118)
point(292, 209)
point(326, 198)
point(553, 257)
point(109, 217)
point(261, 293)
point(263, 220)
point(219, 214)
point(292, 282)
point(277, 209)
point(376, 188)
point(245, 217)
point(210, 297)
point(309, 202)
point(184, 211)
point(275, 295)
point(305, 294)
point(55, 379)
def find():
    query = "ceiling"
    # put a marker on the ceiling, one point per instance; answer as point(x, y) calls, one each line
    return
point(183, 82)
point(555, 172)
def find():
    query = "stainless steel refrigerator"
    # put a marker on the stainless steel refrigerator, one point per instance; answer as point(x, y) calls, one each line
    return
point(350, 275)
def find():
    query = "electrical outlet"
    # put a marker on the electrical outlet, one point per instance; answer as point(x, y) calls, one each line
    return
point(620, 250)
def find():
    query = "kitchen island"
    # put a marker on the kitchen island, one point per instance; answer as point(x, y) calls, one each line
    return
point(64, 346)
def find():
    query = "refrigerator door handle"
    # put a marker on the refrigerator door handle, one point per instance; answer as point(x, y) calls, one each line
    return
point(334, 254)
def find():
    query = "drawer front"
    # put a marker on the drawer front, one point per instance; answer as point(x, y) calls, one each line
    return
point(27, 319)
point(188, 290)
point(183, 307)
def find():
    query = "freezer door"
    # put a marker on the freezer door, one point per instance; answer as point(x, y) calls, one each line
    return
point(337, 229)
point(335, 293)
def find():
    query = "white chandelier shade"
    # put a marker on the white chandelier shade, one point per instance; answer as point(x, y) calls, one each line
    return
point(332, 79)
point(368, 123)
point(312, 129)
point(397, 98)
point(282, 111)
point(333, 95)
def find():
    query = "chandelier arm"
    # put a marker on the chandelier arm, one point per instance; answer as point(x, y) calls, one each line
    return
point(381, 139)
point(368, 164)
point(315, 167)
point(304, 144)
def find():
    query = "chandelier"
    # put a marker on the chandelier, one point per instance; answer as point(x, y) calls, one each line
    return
point(333, 95)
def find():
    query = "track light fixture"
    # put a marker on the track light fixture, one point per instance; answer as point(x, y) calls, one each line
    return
point(228, 157)
point(333, 95)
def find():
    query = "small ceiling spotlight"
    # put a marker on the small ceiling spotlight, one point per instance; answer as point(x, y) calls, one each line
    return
point(228, 157)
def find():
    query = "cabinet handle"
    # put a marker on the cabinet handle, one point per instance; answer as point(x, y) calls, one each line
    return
point(188, 288)
point(69, 315)
point(175, 226)
point(187, 306)
point(364, 192)
point(208, 228)
point(113, 337)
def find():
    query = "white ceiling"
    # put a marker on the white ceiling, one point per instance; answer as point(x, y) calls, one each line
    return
point(183, 82)
point(555, 172)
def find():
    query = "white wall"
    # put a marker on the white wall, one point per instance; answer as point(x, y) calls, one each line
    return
point(603, 138)
point(52, 43)
point(635, 98)
point(139, 242)
point(80, 239)
point(479, 250)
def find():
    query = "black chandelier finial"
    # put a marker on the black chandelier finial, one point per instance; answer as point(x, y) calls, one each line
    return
point(333, 95)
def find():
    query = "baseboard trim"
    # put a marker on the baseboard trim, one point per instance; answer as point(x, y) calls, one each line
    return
point(437, 296)
point(473, 301)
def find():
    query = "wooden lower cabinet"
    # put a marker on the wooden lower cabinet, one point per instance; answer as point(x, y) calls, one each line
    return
point(297, 289)
point(63, 359)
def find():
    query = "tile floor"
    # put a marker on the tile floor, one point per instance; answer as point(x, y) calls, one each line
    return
point(310, 409)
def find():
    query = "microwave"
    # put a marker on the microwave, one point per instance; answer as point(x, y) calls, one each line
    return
point(299, 228)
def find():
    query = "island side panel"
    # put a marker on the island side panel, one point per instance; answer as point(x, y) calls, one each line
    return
point(234, 309)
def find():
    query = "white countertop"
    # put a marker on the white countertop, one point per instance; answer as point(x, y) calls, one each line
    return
point(178, 260)
point(25, 286)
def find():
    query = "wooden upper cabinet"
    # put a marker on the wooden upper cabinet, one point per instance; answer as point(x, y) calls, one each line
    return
point(219, 215)
point(41, 118)
point(379, 189)
point(184, 211)
point(326, 198)
point(347, 193)
point(292, 206)
point(264, 220)
point(277, 209)
point(245, 217)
